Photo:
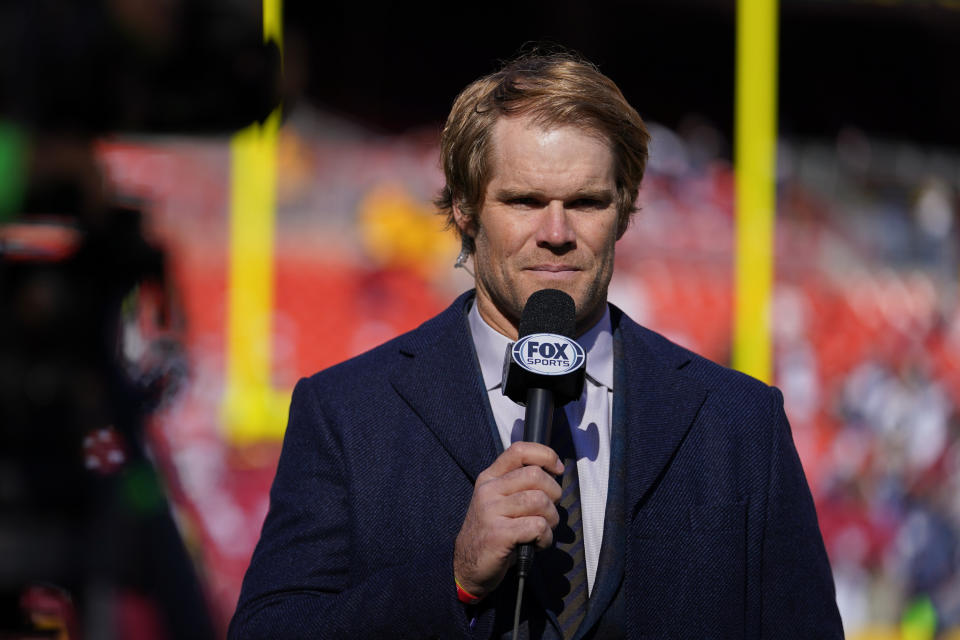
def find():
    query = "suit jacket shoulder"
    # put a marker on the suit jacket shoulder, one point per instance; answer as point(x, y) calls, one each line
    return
point(710, 374)
point(375, 367)
point(719, 513)
point(371, 488)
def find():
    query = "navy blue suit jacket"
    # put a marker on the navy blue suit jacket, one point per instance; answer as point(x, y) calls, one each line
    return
point(710, 528)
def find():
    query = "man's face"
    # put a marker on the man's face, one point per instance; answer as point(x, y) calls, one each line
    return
point(548, 220)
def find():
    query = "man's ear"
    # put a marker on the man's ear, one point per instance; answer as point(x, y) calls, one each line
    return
point(623, 222)
point(465, 223)
point(622, 226)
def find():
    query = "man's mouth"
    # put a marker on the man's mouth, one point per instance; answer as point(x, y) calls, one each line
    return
point(554, 268)
point(554, 272)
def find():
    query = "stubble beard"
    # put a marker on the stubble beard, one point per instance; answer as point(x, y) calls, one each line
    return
point(510, 300)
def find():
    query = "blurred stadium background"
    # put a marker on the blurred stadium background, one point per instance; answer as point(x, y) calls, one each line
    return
point(866, 320)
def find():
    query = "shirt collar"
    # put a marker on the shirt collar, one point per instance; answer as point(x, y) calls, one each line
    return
point(491, 345)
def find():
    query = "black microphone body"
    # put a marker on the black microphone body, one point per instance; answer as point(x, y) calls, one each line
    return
point(543, 370)
point(537, 427)
point(538, 419)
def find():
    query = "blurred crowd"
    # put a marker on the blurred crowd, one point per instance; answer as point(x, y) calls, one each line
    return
point(866, 323)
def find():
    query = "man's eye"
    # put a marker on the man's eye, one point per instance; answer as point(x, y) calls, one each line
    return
point(587, 203)
point(524, 202)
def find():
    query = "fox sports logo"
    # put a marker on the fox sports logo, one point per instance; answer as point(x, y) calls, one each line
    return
point(548, 354)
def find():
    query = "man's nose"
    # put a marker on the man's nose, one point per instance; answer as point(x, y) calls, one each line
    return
point(555, 228)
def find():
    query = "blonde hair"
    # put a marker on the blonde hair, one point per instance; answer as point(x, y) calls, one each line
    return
point(555, 89)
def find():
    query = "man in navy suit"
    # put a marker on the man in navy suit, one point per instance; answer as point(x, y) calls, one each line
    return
point(677, 507)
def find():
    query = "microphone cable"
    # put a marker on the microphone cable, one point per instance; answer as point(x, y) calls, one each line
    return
point(516, 612)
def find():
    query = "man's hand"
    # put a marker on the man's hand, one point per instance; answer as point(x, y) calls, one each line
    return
point(513, 503)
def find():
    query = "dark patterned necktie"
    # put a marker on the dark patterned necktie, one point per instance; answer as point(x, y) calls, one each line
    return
point(564, 567)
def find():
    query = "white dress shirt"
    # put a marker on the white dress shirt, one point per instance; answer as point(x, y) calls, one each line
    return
point(590, 418)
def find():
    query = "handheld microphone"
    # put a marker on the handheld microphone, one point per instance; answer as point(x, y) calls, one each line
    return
point(543, 370)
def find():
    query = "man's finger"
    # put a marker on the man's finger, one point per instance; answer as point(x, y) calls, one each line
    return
point(531, 503)
point(521, 454)
point(526, 479)
point(534, 530)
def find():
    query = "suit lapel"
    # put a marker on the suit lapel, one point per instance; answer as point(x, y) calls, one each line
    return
point(444, 387)
point(660, 404)
point(654, 406)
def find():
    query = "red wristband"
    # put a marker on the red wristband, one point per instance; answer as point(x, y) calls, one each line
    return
point(465, 596)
